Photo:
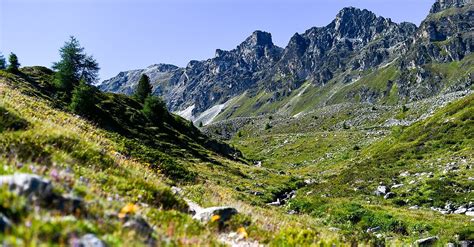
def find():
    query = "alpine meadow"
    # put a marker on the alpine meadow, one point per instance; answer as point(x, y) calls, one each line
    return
point(356, 133)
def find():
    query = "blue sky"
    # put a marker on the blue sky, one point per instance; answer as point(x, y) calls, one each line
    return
point(130, 34)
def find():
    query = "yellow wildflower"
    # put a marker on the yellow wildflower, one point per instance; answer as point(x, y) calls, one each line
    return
point(215, 218)
point(128, 209)
point(242, 232)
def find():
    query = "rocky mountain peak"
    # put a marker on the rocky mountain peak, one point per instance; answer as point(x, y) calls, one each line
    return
point(258, 38)
point(354, 23)
point(441, 5)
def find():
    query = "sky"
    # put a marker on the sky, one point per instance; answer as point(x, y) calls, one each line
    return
point(132, 34)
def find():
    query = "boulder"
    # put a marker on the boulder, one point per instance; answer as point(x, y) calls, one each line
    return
point(382, 190)
point(374, 229)
point(466, 243)
point(224, 213)
point(426, 241)
point(5, 223)
point(470, 213)
point(29, 185)
point(389, 195)
point(460, 210)
point(90, 240)
point(139, 225)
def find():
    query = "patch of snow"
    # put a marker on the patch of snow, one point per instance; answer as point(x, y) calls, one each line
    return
point(208, 116)
point(187, 113)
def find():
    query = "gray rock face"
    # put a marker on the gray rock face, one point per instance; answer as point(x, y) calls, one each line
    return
point(441, 5)
point(28, 185)
point(225, 213)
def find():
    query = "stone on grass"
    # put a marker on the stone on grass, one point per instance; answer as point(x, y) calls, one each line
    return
point(224, 213)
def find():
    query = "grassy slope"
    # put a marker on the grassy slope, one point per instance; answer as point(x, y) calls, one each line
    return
point(111, 167)
point(347, 166)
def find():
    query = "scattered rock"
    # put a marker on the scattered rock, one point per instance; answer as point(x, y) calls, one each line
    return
point(5, 223)
point(470, 213)
point(176, 190)
point(29, 185)
point(415, 207)
point(139, 225)
point(193, 207)
point(89, 240)
point(460, 210)
point(396, 186)
point(450, 245)
point(334, 229)
point(225, 213)
point(466, 243)
point(374, 229)
point(382, 190)
point(426, 241)
point(389, 195)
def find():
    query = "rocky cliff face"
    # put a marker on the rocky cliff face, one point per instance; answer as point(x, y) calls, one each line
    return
point(355, 40)
point(229, 73)
point(352, 45)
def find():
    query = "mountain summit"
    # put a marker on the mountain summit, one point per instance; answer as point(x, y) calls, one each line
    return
point(354, 45)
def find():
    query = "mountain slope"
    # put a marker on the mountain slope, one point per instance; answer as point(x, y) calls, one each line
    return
point(331, 64)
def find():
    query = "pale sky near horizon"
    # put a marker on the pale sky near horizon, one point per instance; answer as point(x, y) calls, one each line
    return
point(131, 34)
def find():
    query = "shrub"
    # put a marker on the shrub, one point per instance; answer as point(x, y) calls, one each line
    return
point(154, 109)
point(14, 65)
point(83, 100)
point(144, 89)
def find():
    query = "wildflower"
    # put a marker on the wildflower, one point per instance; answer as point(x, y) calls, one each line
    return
point(242, 232)
point(215, 218)
point(128, 209)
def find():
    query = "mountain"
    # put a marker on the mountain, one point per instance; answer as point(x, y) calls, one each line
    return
point(329, 63)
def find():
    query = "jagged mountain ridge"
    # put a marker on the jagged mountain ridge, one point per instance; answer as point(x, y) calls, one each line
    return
point(344, 51)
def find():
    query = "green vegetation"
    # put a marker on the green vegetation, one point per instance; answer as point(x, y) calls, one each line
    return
point(74, 66)
point(13, 64)
point(143, 89)
point(3, 62)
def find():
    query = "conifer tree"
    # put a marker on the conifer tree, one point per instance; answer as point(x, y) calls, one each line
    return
point(75, 65)
point(3, 62)
point(83, 99)
point(144, 89)
point(13, 65)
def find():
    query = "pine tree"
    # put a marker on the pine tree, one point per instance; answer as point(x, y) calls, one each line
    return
point(75, 65)
point(154, 109)
point(144, 89)
point(83, 99)
point(14, 65)
point(3, 62)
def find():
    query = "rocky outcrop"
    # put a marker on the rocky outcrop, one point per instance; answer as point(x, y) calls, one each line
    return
point(353, 44)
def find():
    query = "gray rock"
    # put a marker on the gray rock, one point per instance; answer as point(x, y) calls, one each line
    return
point(466, 243)
point(451, 245)
point(390, 195)
point(382, 190)
point(225, 213)
point(426, 241)
point(460, 211)
point(374, 229)
point(470, 213)
point(5, 223)
point(29, 185)
point(90, 240)
point(396, 186)
point(139, 225)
